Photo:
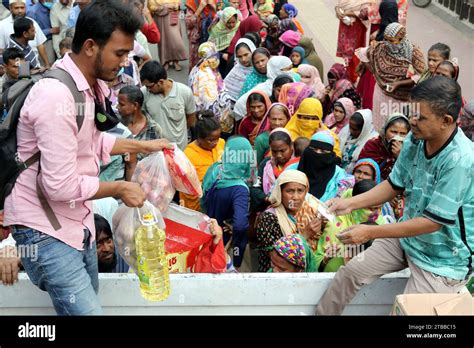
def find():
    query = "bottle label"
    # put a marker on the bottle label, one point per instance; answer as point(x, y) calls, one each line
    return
point(143, 271)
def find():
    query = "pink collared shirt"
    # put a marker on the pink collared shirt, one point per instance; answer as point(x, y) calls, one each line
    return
point(69, 159)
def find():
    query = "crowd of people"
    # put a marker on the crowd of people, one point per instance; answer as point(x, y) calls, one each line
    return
point(385, 139)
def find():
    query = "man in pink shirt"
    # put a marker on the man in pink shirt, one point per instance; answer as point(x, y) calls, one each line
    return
point(66, 259)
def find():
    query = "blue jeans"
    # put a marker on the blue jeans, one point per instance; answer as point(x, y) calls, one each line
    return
point(69, 276)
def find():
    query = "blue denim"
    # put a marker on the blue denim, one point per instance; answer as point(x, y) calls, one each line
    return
point(69, 276)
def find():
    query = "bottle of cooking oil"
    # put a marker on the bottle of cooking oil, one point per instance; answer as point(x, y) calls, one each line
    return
point(151, 260)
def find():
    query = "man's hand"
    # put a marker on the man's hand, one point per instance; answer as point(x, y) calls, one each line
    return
point(150, 146)
point(131, 194)
point(55, 30)
point(9, 263)
point(216, 231)
point(339, 206)
point(357, 234)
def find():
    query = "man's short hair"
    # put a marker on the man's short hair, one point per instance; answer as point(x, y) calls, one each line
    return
point(100, 19)
point(133, 93)
point(441, 93)
point(65, 43)
point(21, 25)
point(12, 53)
point(153, 71)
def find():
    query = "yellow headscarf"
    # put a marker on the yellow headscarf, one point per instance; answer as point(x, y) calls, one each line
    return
point(306, 128)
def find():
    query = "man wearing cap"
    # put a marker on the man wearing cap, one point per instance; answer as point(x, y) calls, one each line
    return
point(18, 9)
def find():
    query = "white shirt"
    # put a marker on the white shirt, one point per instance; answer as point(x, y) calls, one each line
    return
point(6, 29)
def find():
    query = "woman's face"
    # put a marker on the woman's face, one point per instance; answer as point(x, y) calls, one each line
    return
point(244, 56)
point(235, 4)
point(295, 58)
point(276, 92)
point(393, 40)
point(231, 23)
point(398, 128)
point(434, 58)
point(281, 152)
point(339, 113)
point(292, 196)
point(364, 172)
point(280, 264)
point(277, 118)
point(331, 79)
point(209, 142)
point(354, 128)
point(260, 63)
point(444, 70)
point(257, 110)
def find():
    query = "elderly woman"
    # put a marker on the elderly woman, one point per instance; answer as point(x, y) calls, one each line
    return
point(258, 104)
point(385, 148)
point(226, 193)
point(289, 214)
point(396, 64)
point(292, 254)
point(205, 80)
point(319, 162)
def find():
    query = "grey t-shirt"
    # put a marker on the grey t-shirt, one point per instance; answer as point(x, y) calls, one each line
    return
point(170, 111)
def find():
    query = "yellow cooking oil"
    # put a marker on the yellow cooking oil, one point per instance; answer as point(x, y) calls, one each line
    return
point(151, 260)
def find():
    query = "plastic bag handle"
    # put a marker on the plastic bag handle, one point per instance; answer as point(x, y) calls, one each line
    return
point(155, 219)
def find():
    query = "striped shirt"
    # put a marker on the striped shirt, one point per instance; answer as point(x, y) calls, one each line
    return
point(439, 187)
point(30, 55)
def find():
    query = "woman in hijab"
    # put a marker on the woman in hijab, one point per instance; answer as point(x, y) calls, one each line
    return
point(199, 16)
point(205, 80)
point(289, 214)
point(319, 163)
point(343, 109)
point(385, 148)
point(234, 81)
point(278, 84)
point(277, 116)
point(354, 136)
point(354, 21)
point(292, 254)
point(292, 95)
point(288, 13)
point(222, 33)
point(290, 40)
point(310, 76)
point(257, 105)
point(226, 193)
point(279, 65)
point(297, 57)
point(396, 64)
point(311, 56)
point(260, 58)
point(308, 120)
point(339, 87)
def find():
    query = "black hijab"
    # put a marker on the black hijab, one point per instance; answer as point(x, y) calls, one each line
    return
point(318, 167)
point(389, 13)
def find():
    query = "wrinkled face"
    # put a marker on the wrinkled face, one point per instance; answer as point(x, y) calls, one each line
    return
point(260, 63)
point(444, 70)
point(292, 196)
point(434, 58)
point(281, 151)
point(280, 264)
point(210, 142)
point(277, 118)
point(339, 113)
point(427, 125)
point(397, 128)
point(11, 68)
point(296, 59)
point(231, 23)
point(244, 56)
point(105, 248)
point(354, 128)
point(18, 9)
point(113, 56)
point(126, 108)
point(257, 110)
point(364, 172)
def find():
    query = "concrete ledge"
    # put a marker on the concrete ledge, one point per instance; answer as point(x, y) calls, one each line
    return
point(451, 18)
point(215, 294)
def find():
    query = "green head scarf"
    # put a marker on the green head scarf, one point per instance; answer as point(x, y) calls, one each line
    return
point(219, 34)
point(296, 251)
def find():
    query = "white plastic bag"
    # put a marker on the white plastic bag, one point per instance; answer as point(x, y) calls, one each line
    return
point(153, 175)
point(125, 222)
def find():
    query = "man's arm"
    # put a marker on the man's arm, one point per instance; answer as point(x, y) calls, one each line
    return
point(123, 146)
point(359, 234)
point(191, 120)
point(43, 55)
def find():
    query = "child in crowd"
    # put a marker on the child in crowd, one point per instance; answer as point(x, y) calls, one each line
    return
point(436, 54)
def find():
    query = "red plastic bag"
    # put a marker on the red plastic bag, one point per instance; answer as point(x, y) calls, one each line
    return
point(183, 173)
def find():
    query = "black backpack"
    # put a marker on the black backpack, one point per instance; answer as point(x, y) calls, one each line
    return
point(10, 163)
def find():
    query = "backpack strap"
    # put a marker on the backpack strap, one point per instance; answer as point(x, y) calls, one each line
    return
point(64, 77)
